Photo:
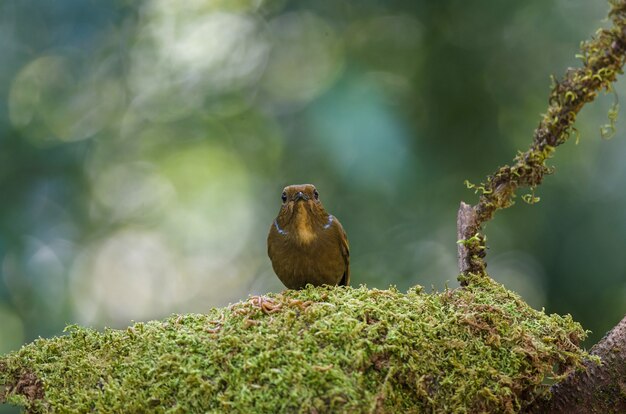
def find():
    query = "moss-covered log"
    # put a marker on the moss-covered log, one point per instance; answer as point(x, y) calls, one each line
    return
point(328, 349)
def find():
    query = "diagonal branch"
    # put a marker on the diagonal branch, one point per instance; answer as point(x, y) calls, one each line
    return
point(603, 58)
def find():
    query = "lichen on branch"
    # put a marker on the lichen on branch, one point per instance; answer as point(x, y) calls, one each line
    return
point(602, 58)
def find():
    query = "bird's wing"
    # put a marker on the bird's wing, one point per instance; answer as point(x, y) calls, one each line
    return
point(272, 234)
point(345, 252)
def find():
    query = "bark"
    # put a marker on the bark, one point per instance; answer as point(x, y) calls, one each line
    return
point(465, 228)
point(601, 388)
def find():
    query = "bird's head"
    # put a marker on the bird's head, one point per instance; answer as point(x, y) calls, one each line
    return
point(300, 201)
point(306, 193)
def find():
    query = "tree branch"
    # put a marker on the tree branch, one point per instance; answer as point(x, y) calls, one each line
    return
point(603, 58)
point(597, 388)
point(467, 245)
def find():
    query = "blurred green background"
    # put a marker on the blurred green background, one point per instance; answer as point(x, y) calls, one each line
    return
point(144, 146)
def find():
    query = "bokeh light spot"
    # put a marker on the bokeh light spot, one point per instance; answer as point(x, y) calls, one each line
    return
point(132, 190)
point(307, 57)
point(56, 104)
point(131, 274)
point(186, 55)
point(214, 211)
point(367, 143)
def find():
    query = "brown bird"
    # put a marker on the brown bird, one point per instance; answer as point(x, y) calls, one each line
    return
point(305, 243)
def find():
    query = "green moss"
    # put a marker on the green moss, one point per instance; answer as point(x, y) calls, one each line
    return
point(476, 349)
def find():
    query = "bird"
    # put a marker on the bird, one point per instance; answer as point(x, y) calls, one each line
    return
point(305, 243)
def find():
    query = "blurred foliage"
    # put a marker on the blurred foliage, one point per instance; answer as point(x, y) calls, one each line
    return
point(144, 146)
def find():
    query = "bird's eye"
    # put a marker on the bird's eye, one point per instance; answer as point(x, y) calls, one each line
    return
point(316, 194)
point(284, 197)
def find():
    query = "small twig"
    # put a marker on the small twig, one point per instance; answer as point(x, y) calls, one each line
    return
point(465, 224)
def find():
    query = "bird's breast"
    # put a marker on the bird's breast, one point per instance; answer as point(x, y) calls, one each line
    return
point(304, 228)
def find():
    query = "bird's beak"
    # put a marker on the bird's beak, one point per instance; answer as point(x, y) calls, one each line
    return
point(301, 196)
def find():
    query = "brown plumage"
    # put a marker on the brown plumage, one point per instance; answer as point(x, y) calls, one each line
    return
point(305, 243)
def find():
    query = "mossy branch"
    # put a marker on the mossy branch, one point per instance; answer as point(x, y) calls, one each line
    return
point(318, 350)
point(603, 58)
